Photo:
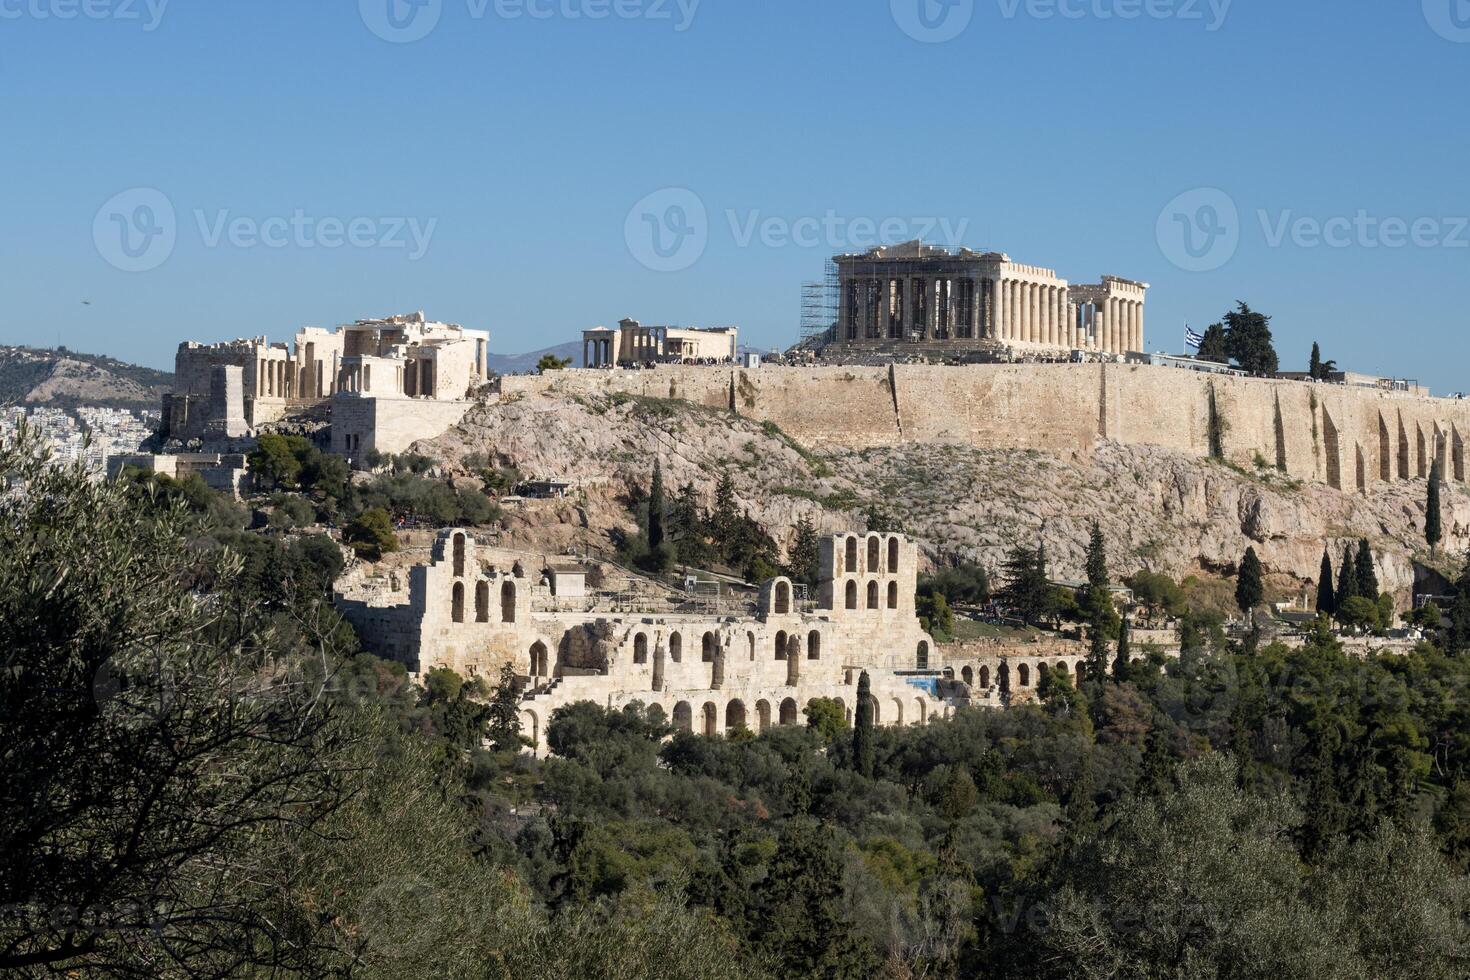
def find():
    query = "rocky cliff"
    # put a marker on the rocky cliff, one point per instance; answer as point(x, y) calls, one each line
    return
point(1159, 509)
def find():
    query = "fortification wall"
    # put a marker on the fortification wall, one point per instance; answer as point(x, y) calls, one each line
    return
point(1344, 436)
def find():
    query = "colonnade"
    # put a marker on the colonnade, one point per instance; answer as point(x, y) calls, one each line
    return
point(275, 379)
point(597, 352)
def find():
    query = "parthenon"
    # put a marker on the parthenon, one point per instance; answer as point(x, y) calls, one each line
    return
point(916, 294)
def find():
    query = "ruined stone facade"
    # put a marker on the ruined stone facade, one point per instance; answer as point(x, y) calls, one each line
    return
point(474, 608)
point(918, 297)
point(633, 343)
point(228, 390)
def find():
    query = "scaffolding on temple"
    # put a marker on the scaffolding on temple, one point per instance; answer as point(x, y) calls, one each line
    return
point(819, 308)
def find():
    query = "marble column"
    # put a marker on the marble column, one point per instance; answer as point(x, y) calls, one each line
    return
point(1053, 318)
point(1141, 339)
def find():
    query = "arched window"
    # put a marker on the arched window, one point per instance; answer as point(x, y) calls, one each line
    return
point(968, 676)
point(676, 647)
point(893, 556)
point(788, 712)
point(482, 602)
point(734, 715)
point(852, 595)
point(872, 595)
point(814, 645)
point(457, 602)
point(459, 556)
point(540, 661)
point(873, 566)
point(683, 717)
point(1061, 667)
point(763, 714)
point(640, 648)
point(923, 658)
point(985, 677)
point(508, 602)
point(709, 647)
point(783, 598)
point(711, 719)
point(851, 565)
point(1023, 672)
point(892, 595)
point(781, 645)
point(750, 640)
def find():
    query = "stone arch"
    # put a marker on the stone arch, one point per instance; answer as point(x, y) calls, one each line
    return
point(1023, 674)
point(1081, 671)
point(540, 660)
point(851, 564)
point(781, 645)
point(750, 639)
point(683, 717)
point(873, 595)
point(734, 715)
point(922, 660)
point(1385, 451)
point(985, 677)
point(793, 660)
point(782, 603)
point(873, 552)
point(459, 554)
point(893, 556)
point(892, 595)
point(877, 711)
point(1003, 678)
point(1061, 668)
point(508, 602)
point(921, 711)
point(456, 603)
point(531, 728)
point(640, 648)
point(709, 648)
point(789, 712)
point(898, 711)
point(814, 645)
point(852, 595)
point(676, 647)
point(968, 676)
point(711, 719)
point(762, 715)
point(482, 602)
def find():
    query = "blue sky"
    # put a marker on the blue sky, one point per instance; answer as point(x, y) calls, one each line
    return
point(487, 171)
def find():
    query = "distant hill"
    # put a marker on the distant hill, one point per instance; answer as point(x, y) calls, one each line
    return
point(523, 363)
point(62, 378)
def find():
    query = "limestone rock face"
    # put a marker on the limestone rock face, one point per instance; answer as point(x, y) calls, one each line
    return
point(1158, 508)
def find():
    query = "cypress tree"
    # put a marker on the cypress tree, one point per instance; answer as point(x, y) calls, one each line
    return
point(1433, 531)
point(656, 508)
point(1124, 658)
point(1248, 588)
point(1367, 577)
point(1326, 597)
point(862, 732)
point(1347, 577)
point(1097, 559)
point(1314, 366)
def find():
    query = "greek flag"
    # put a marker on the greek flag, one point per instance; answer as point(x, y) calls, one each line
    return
point(1192, 339)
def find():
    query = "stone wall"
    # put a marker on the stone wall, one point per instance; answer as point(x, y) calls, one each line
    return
point(389, 425)
point(1348, 437)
